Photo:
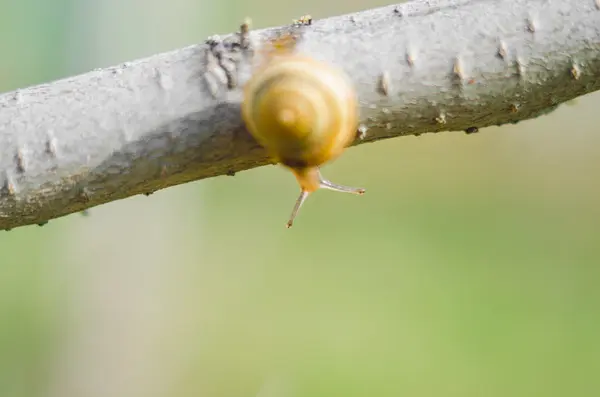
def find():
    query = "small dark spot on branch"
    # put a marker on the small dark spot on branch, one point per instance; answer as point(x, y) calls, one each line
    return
point(441, 118)
point(230, 69)
point(520, 65)
point(362, 132)
point(50, 147)
point(502, 50)
point(18, 97)
point(303, 20)
point(8, 187)
point(20, 161)
point(383, 86)
point(245, 34)
point(457, 69)
point(531, 25)
point(84, 195)
point(410, 58)
point(575, 71)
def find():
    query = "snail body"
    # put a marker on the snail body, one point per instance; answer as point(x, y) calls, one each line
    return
point(304, 113)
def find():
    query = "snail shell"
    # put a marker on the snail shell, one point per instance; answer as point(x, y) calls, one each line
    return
point(302, 111)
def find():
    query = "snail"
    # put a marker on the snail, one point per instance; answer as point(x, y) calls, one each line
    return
point(304, 112)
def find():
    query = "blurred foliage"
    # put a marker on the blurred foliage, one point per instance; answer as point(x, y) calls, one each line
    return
point(468, 268)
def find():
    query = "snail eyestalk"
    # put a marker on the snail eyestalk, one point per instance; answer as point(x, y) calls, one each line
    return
point(299, 202)
point(311, 180)
point(325, 184)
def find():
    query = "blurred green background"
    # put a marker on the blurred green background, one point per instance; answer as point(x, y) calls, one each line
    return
point(470, 267)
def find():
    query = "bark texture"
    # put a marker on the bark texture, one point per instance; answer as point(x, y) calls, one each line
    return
point(423, 66)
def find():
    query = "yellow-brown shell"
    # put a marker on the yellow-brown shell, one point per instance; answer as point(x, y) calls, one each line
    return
point(302, 111)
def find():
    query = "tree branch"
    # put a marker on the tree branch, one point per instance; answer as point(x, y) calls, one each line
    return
point(424, 66)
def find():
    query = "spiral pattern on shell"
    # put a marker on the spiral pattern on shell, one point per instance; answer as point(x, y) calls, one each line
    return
point(302, 111)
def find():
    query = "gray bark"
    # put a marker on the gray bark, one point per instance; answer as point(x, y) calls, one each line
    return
point(174, 117)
